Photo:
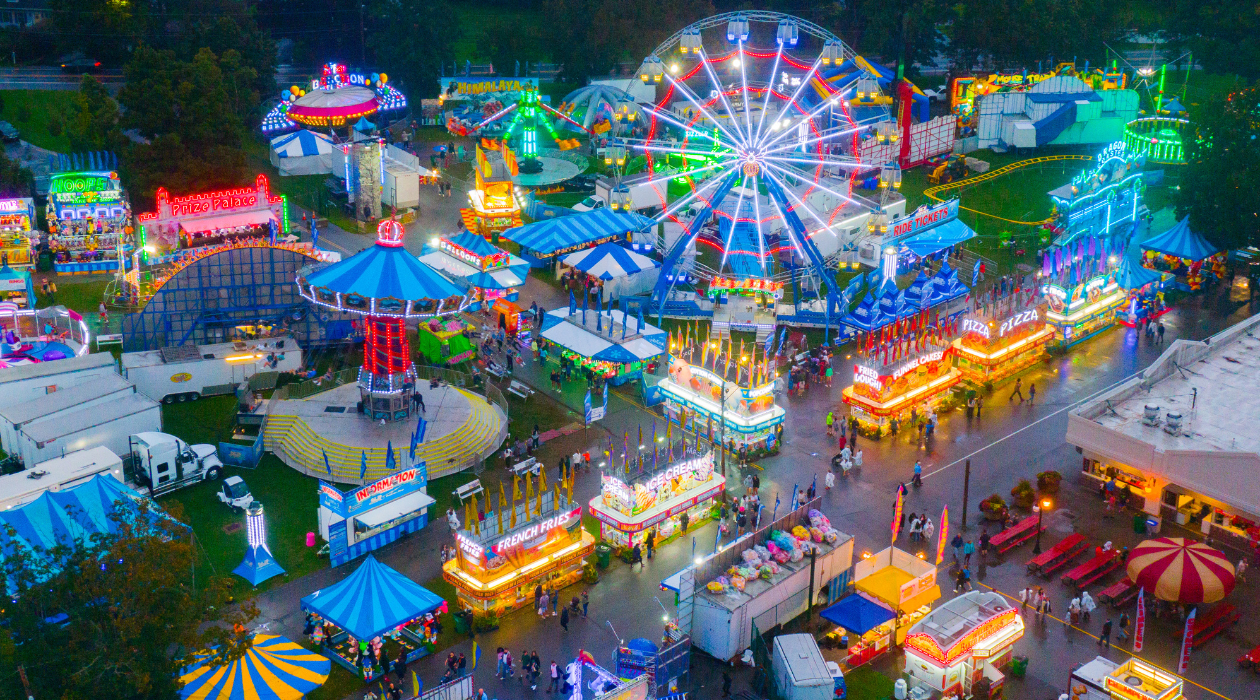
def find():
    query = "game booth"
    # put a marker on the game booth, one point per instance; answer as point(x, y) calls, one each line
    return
point(16, 287)
point(17, 217)
point(1145, 289)
point(901, 583)
point(998, 341)
point(729, 399)
point(628, 509)
point(446, 341)
point(367, 518)
point(1184, 253)
point(494, 206)
point(472, 262)
point(887, 390)
point(612, 344)
point(89, 222)
point(963, 644)
point(1079, 311)
point(501, 557)
point(617, 271)
point(1134, 679)
point(208, 218)
point(375, 610)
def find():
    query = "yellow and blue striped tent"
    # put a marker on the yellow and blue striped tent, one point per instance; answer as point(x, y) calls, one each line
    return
point(274, 668)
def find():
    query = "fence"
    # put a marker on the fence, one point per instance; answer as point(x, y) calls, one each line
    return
point(311, 387)
point(458, 689)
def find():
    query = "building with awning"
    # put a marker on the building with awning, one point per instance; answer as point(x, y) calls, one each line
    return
point(609, 342)
point(472, 262)
point(547, 239)
point(211, 217)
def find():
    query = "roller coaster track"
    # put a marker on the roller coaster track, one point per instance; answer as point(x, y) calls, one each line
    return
point(992, 174)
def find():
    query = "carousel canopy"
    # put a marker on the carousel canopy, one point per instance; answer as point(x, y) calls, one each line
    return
point(274, 668)
point(549, 237)
point(1181, 570)
point(301, 144)
point(945, 286)
point(384, 272)
point(1181, 242)
point(858, 614)
point(600, 346)
point(373, 600)
point(475, 244)
point(609, 261)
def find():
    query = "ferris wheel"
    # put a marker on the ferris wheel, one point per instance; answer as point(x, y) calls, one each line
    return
point(754, 143)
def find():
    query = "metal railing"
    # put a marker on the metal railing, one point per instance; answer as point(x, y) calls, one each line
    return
point(311, 387)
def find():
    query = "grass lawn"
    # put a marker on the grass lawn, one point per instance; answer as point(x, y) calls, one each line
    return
point(82, 293)
point(865, 683)
point(540, 410)
point(32, 110)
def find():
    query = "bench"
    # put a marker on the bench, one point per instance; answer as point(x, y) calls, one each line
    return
point(1097, 567)
point(1119, 594)
point(468, 490)
point(1212, 624)
point(495, 369)
point(109, 339)
point(1059, 555)
point(520, 389)
point(1012, 537)
point(531, 465)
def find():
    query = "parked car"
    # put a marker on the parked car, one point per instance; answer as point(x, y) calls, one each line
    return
point(9, 132)
point(235, 493)
point(589, 204)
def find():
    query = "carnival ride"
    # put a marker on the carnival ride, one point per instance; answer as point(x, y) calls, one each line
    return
point(336, 99)
point(1160, 139)
point(29, 336)
point(770, 177)
point(530, 119)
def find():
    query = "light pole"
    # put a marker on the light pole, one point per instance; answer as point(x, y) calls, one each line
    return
point(1045, 503)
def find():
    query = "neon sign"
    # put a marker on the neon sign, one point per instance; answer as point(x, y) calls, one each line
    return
point(385, 484)
point(67, 183)
point(1019, 319)
point(924, 218)
point(470, 548)
point(536, 530)
point(918, 362)
point(925, 645)
point(725, 285)
point(867, 376)
point(971, 325)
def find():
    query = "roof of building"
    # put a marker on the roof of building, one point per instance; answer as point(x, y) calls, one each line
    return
point(953, 619)
point(65, 399)
point(89, 417)
point(49, 369)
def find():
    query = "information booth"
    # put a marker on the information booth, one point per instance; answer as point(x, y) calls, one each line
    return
point(963, 641)
point(627, 511)
point(995, 346)
point(883, 392)
point(367, 518)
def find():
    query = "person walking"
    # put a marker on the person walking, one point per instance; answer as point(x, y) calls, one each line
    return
point(969, 548)
point(831, 420)
point(1032, 393)
point(542, 604)
point(829, 480)
point(586, 602)
point(963, 581)
point(929, 530)
point(1104, 637)
point(564, 619)
point(555, 601)
point(1026, 596)
point(957, 544)
point(1123, 632)
point(1019, 382)
point(1240, 570)
point(1087, 605)
point(649, 541)
point(400, 665)
point(726, 684)
point(636, 557)
point(555, 678)
point(1160, 331)
point(918, 473)
point(1074, 613)
point(984, 546)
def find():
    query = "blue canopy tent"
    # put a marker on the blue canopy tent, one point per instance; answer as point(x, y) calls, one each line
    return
point(545, 239)
point(1181, 242)
point(1130, 274)
point(919, 292)
point(893, 305)
point(866, 316)
point(857, 614)
point(302, 153)
point(939, 238)
point(624, 272)
point(273, 668)
point(945, 286)
point(631, 339)
point(372, 601)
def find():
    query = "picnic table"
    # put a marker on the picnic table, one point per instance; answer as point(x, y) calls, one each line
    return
point(1094, 569)
point(1059, 555)
point(1014, 536)
point(1250, 660)
point(1212, 624)
point(1119, 594)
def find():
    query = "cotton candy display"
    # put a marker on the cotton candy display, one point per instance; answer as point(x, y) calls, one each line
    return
point(816, 534)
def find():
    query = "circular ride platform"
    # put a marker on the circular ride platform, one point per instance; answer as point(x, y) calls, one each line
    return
point(558, 166)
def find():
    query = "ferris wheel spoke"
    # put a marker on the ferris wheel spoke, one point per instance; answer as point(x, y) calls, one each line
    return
point(791, 100)
point(665, 149)
point(717, 85)
point(743, 79)
point(713, 182)
point(694, 100)
point(823, 136)
point(828, 190)
point(778, 56)
point(822, 159)
point(787, 191)
point(810, 115)
point(667, 178)
point(761, 236)
point(726, 249)
point(664, 116)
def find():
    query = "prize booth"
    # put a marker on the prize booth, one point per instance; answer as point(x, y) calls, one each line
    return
point(16, 287)
point(215, 217)
point(727, 401)
point(610, 343)
point(367, 518)
point(627, 511)
point(883, 392)
point(500, 557)
point(994, 346)
point(89, 222)
point(1081, 311)
point(374, 611)
point(962, 643)
point(17, 217)
point(472, 262)
point(901, 583)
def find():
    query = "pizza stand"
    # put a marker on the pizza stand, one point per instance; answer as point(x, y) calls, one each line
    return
point(963, 641)
point(375, 605)
point(902, 583)
point(997, 343)
point(365, 519)
point(627, 511)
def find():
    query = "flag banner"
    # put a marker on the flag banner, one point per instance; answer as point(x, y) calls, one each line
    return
point(943, 536)
point(896, 522)
point(1183, 664)
point(1139, 622)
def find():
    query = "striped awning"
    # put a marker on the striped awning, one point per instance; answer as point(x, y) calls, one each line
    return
point(566, 233)
point(1181, 570)
point(274, 668)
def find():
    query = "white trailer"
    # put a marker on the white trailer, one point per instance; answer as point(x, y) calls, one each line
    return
point(163, 462)
point(28, 382)
point(188, 372)
point(800, 672)
point(58, 474)
point(722, 622)
point(104, 389)
point(106, 425)
point(644, 194)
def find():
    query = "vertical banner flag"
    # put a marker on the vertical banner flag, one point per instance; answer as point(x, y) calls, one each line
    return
point(943, 536)
point(1183, 664)
point(1139, 622)
point(896, 523)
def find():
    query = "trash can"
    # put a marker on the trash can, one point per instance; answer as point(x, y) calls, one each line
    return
point(463, 619)
point(1019, 666)
point(1152, 525)
point(1139, 523)
point(603, 553)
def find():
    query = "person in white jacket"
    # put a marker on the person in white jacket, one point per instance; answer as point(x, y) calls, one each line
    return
point(1087, 605)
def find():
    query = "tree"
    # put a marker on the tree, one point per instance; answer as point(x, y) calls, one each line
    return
point(1224, 36)
point(606, 32)
point(1020, 33)
point(895, 30)
point(114, 616)
point(103, 30)
point(410, 39)
point(1222, 172)
point(92, 123)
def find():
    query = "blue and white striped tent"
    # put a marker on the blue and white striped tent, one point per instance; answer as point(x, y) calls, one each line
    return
point(302, 153)
point(466, 275)
point(609, 261)
point(641, 342)
point(544, 239)
point(372, 601)
point(273, 668)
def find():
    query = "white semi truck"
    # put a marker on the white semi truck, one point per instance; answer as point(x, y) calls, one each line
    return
point(188, 372)
point(164, 463)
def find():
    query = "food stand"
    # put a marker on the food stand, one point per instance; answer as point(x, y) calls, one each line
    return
point(1104, 679)
point(627, 511)
point(214, 217)
point(905, 584)
point(89, 221)
point(494, 206)
point(375, 608)
point(739, 410)
point(610, 343)
point(994, 346)
point(501, 557)
point(885, 391)
point(472, 262)
point(1081, 311)
point(367, 518)
point(17, 217)
point(962, 641)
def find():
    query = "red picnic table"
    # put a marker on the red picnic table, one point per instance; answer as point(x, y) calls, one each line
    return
point(1016, 535)
point(1059, 555)
point(1213, 623)
point(1119, 594)
point(1250, 660)
point(1094, 569)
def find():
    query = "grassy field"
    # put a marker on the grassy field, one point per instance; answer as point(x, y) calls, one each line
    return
point(865, 683)
point(33, 111)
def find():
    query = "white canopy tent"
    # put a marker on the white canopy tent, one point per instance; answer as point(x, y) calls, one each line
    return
point(302, 153)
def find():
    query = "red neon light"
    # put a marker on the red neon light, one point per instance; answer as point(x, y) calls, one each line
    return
point(206, 202)
point(925, 645)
